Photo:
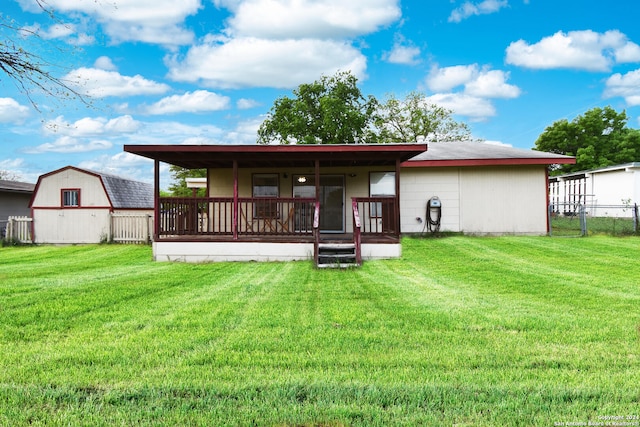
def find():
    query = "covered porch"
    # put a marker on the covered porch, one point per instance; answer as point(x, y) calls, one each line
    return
point(281, 202)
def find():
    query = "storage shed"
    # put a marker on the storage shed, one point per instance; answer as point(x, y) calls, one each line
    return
point(598, 190)
point(73, 205)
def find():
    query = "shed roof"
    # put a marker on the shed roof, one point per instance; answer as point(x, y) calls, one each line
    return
point(483, 154)
point(16, 187)
point(123, 193)
point(625, 167)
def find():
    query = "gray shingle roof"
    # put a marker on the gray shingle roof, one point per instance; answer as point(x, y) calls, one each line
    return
point(480, 151)
point(126, 193)
point(16, 187)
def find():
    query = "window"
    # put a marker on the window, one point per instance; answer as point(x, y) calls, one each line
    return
point(381, 184)
point(70, 198)
point(266, 186)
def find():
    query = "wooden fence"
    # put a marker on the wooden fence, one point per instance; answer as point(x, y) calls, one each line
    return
point(19, 229)
point(124, 228)
point(131, 228)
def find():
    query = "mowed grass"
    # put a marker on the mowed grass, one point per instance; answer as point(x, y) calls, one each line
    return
point(460, 331)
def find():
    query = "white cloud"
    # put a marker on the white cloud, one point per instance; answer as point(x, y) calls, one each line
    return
point(473, 107)
point(105, 63)
point(483, 8)
point(12, 112)
point(482, 83)
point(403, 54)
point(90, 126)
point(283, 19)
point(626, 86)
point(585, 50)
point(246, 104)
point(492, 84)
point(69, 144)
point(190, 102)
point(445, 79)
point(100, 83)
point(252, 62)
point(151, 21)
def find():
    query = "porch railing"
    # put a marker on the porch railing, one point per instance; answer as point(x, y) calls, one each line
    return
point(357, 228)
point(378, 215)
point(179, 216)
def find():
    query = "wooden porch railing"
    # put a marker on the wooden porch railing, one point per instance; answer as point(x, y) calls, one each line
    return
point(378, 215)
point(179, 216)
point(357, 228)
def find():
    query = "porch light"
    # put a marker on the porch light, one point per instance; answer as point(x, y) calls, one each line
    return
point(302, 179)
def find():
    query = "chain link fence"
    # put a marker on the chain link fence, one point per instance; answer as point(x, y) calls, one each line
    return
point(574, 220)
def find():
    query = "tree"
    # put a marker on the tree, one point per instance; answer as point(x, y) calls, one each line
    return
point(8, 175)
point(413, 118)
point(331, 110)
point(29, 70)
point(597, 139)
point(179, 186)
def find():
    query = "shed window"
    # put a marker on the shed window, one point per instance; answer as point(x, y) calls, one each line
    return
point(70, 198)
point(265, 186)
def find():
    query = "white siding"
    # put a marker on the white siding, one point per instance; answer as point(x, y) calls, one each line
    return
point(477, 200)
point(503, 200)
point(70, 225)
point(612, 187)
point(87, 224)
point(92, 193)
point(417, 186)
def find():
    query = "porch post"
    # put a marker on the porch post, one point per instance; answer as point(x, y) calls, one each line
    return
point(397, 207)
point(235, 200)
point(156, 199)
point(317, 178)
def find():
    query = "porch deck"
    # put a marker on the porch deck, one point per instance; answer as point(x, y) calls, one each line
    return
point(255, 229)
point(277, 220)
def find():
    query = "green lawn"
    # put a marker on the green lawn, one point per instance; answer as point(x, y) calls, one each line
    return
point(461, 331)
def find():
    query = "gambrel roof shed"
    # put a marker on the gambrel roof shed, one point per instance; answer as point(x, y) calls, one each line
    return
point(122, 193)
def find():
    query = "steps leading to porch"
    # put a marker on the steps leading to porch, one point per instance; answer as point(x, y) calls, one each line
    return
point(337, 255)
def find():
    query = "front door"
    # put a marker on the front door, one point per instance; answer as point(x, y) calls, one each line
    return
point(331, 199)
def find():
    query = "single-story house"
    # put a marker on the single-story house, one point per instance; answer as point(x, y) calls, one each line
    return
point(73, 205)
point(333, 203)
point(14, 201)
point(599, 190)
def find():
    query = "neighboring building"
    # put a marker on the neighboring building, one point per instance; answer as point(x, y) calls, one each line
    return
point(283, 202)
point(599, 190)
point(73, 205)
point(14, 201)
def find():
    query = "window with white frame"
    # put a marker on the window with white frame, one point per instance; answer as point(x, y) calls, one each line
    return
point(71, 198)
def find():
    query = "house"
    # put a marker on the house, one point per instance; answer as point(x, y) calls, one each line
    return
point(604, 192)
point(14, 201)
point(338, 203)
point(73, 205)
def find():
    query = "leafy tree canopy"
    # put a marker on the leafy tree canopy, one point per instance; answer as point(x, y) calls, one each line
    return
point(178, 188)
point(597, 139)
point(333, 110)
point(413, 118)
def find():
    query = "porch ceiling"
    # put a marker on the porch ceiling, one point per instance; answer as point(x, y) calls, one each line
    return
point(222, 156)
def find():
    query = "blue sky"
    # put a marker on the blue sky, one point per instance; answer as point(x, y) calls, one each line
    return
point(207, 71)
